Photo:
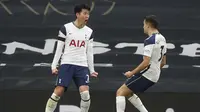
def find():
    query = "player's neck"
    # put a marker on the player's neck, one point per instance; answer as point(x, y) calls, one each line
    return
point(153, 31)
point(78, 24)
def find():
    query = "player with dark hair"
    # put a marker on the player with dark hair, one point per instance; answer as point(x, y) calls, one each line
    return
point(75, 49)
point(148, 72)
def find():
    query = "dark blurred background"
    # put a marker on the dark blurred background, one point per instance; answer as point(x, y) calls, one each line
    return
point(28, 31)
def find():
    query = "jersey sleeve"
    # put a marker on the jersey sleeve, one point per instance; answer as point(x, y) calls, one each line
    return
point(92, 36)
point(90, 56)
point(149, 45)
point(57, 54)
point(60, 45)
point(62, 34)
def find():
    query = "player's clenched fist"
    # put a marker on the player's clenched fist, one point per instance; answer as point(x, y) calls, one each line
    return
point(94, 74)
point(128, 74)
point(55, 71)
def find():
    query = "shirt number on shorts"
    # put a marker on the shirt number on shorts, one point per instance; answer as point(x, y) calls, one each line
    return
point(88, 78)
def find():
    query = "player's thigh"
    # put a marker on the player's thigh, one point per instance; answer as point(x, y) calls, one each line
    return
point(138, 83)
point(81, 77)
point(65, 74)
point(123, 91)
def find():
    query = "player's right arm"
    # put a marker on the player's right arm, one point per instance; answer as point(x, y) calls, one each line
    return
point(60, 45)
point(148, 49)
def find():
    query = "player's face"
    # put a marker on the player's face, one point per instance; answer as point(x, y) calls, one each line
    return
point(145, 27)
point(83, 16)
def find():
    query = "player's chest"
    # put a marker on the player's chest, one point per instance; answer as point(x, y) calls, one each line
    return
point(77, 38)
point(77, 35)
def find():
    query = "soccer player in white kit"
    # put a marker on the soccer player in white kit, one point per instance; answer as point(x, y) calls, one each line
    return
point(148, 72)
point(76, 39)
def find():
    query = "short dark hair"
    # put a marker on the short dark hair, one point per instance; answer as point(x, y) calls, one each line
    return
point(152, 19)
point(78, 8)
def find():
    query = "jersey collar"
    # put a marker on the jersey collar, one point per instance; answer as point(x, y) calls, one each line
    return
point(76, 26)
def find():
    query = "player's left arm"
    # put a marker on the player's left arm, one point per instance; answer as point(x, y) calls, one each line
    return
point(90, 57)
point(140, 67)
point(148, 49)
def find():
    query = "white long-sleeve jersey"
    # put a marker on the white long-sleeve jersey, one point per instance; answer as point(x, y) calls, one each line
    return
point(75, 46)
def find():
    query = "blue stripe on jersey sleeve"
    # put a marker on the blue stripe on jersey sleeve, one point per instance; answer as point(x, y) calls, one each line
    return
point(63, 30)
point(92, 36)
point(150, 40)
point(61, 39)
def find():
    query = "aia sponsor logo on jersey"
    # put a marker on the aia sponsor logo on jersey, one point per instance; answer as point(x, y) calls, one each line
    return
point(77, 43)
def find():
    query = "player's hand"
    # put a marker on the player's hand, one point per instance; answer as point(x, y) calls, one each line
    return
point(94, 74)
point(128, 74)
point(55, 71)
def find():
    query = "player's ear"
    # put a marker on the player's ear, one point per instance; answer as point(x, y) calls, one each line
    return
point(77, 14)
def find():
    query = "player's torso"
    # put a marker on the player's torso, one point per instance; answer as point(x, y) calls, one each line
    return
point(153, 72)
point(76, 45)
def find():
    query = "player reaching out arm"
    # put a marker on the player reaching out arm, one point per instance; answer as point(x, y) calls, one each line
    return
point(148, 72)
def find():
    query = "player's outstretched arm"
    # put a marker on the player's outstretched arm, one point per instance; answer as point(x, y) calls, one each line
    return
point(90, 58)
point(58, 53)
point(163, 62)
point(142, 66)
